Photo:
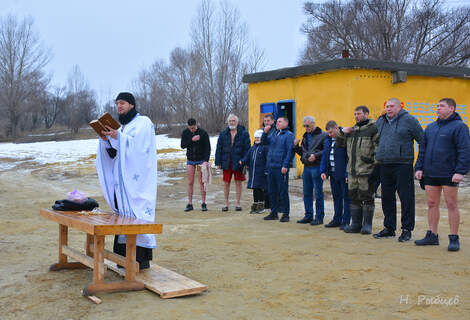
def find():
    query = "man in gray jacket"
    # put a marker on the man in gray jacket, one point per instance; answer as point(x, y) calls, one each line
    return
point(395, 153)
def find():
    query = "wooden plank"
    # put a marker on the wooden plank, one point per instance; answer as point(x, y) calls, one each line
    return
point(80, 257)
point(120, 286)
point(63, 241)
point(164, 282)
point(94, 299)
point(114, 257)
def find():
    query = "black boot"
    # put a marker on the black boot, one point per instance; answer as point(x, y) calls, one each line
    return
point(430, 239)
point(271, 216)
point(454, 244)
point(356, 220)
point(367, 216)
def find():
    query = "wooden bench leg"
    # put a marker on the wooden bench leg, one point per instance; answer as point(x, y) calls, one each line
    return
point(98, 285)
point(63, 264)
point(88, 244)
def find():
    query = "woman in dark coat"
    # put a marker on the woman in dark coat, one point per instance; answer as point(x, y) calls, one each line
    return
point(255, 160)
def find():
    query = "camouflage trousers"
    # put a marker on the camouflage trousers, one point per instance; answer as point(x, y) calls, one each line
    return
point(360, 190)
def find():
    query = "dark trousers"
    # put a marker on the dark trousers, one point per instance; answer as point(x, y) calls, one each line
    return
point(341, 201)
point(258, 195)
point(278, 190)
point(398, 177)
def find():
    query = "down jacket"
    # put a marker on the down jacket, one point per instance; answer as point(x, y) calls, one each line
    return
point(255, 159)
point(225, 149)
point(445, 149)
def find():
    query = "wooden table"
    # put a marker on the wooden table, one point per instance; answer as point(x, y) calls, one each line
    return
point(97, 226)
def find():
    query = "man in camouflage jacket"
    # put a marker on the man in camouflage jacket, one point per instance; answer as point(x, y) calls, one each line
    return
point(361, 141)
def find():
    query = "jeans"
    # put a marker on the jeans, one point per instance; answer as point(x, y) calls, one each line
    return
point(312, 181)
point(341, 201)
point(398, 177)
point(278, 190)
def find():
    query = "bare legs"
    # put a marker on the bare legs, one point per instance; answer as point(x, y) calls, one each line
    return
point(433, 195)
point(238, 190)
point(190, 170)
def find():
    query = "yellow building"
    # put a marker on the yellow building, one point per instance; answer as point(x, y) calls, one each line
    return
point(331, 90)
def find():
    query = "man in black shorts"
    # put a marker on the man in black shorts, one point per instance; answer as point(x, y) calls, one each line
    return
point(443, 160)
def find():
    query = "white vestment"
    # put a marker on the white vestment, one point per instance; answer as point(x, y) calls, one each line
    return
point(132, 174)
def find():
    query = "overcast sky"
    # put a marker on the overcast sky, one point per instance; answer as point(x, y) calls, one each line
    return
point(111, 41)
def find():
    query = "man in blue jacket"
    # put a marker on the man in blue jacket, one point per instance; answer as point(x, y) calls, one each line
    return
point(443, 160)
point(334, 165)
point(280, 154)
point(232, 145)
point(397, 132)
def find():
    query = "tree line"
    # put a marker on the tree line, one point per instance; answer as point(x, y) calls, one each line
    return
point(204, 79)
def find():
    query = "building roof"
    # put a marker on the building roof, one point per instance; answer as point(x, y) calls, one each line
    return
point(411, 69)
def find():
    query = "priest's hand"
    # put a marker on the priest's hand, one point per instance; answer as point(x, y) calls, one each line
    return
point(111, 132)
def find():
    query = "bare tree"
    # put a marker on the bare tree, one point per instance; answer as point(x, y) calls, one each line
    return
point(80, 100)
point(416, 31)
point(22, 62)
point(53, 103)
point(220, 38)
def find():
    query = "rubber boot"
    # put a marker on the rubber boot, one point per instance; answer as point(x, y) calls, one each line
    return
point(356, 220)
point(367, 216)
point(260, 207)
point(254, 207)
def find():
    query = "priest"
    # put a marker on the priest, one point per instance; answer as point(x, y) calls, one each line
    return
point(126, 163)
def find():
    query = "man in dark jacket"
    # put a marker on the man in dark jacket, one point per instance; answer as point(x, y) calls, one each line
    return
point(443, 160)
point(198, 150)
point(361, 141)
point(278, 161)
point(310, 152)
point(333, 165)
point(232, 145)
point(397, 132)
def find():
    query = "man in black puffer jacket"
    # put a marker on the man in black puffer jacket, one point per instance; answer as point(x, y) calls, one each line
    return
point(310, 152)
point(232, 145)
point(198, 150)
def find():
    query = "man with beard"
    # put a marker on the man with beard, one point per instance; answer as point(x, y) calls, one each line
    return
point(126, 163)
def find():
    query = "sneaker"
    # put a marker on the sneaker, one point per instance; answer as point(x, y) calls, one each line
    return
point(430, 239)
point(343, 225)
point(332, 224)
point(454, 244)
point(284, 218)
point(204, 207)
point(238, 208)
point(385, 233)
point(405, 236)
point(224, 208)
point(189, 207)
point(316, 222)
point(305, 220)
point(271, 216)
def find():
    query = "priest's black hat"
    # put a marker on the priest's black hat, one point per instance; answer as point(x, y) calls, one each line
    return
point(126, 96)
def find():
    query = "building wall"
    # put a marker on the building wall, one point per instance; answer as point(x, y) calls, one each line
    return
point(334, 95)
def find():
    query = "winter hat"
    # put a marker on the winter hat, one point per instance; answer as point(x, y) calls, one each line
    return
point(126, 96)
point(258, 133)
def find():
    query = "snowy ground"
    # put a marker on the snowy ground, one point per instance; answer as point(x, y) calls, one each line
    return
point(65, 152)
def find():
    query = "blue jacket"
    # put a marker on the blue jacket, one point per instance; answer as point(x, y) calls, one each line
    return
point(340, 159)
point(225, 149)
point(445, 149)
point(255, 159)
point(280, 150)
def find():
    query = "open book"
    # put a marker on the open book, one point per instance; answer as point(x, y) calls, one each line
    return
point(105, 119)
